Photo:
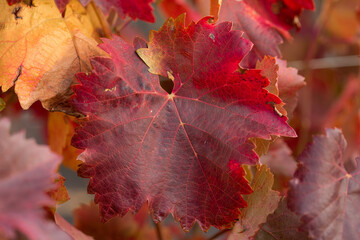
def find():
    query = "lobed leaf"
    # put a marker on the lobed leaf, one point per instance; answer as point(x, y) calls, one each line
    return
point(324, 192)
point(264, 22)
point(181, 152)
point(140, 9)
point(40, 52)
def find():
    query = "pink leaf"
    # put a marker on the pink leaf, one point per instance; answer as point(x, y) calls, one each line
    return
point(27, 172)
point(324, 192)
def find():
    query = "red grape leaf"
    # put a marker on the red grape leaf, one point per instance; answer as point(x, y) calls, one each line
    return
point(323, 192)
point(27, 172)
point(262, 202)
point(140, 9)
point(281, 225)
point(264, 23)
point(182, 152)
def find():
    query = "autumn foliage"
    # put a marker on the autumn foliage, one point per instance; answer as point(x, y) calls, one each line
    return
point(201, 125)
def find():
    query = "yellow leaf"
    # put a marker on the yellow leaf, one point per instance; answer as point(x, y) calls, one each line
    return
point(39, 53)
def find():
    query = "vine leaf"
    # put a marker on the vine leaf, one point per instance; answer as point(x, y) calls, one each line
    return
point(140, 9)
point(324, 192)
point(27, 173)
point(181, 152)
point(264, 22)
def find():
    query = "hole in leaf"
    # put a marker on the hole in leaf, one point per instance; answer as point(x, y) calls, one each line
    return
point(167, 84)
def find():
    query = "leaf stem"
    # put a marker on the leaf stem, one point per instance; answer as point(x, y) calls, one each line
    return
point(103, 22)
point(158, 231)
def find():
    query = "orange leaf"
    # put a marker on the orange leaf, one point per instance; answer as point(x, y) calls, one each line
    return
point(60, 132)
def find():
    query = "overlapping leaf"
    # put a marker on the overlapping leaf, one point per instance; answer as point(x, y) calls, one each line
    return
point(182, 152)
point(140, 9)
point(285, 82)
point(324, 193)
point(27, 171)
point(40, 51)
point(264, 22)
point(262, 202)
